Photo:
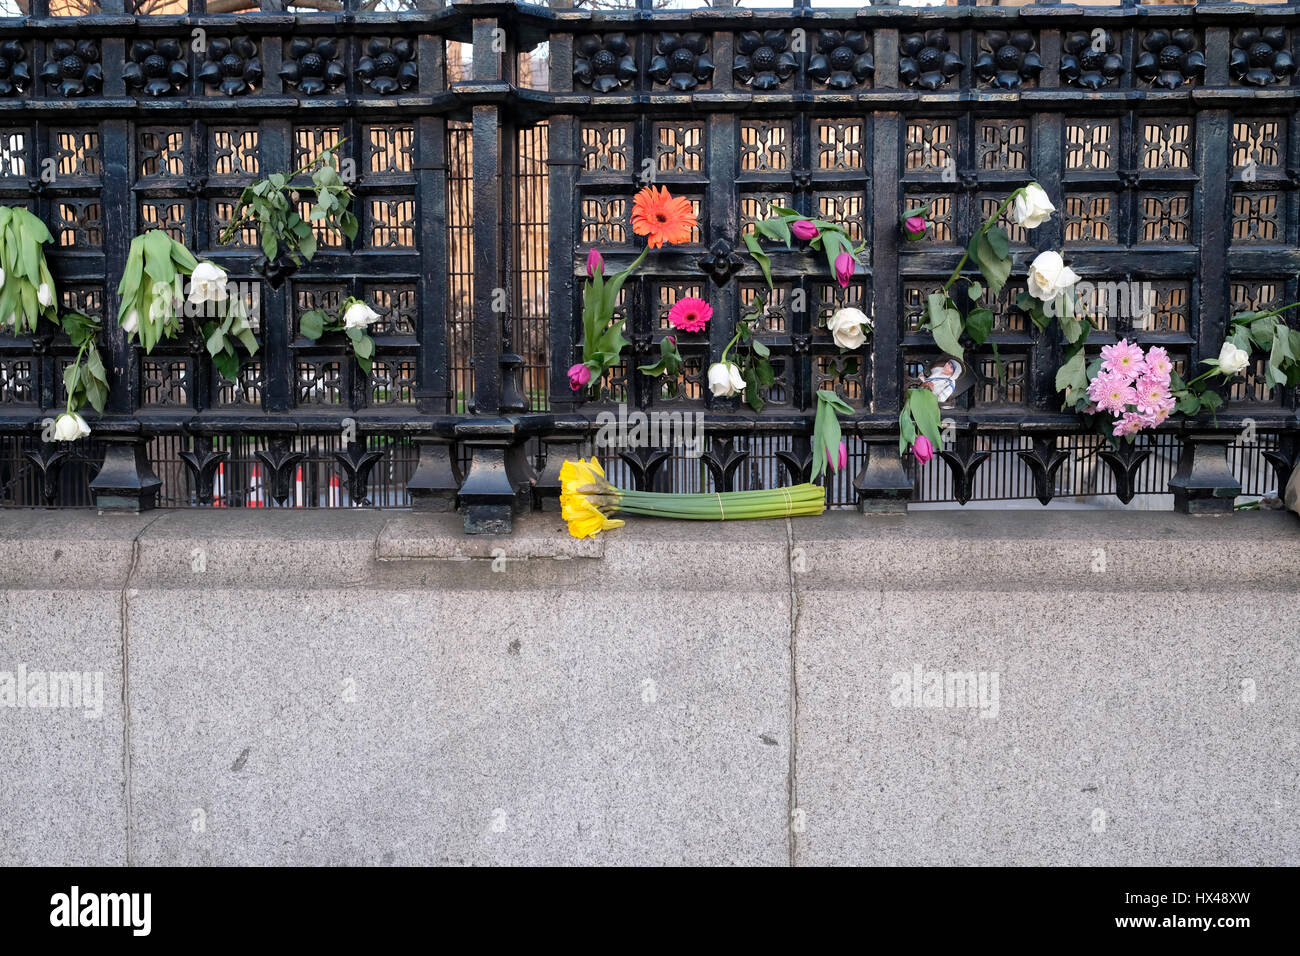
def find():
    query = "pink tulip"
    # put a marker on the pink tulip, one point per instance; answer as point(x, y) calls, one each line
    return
point(594, 261)
point(844, 454)
point(844, 269)
point(914, 227)
point(579, 375)
point(804, 230)
point(922, 449)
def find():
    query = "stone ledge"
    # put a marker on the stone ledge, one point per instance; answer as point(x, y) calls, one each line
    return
point(423, 537)
point(295, 550)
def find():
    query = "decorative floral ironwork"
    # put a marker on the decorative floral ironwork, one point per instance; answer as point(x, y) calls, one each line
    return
point(312, 66)
point(843, 60)
point(1169, 59)
point(232, 66)
point(927, 61)
point(388, 66)
point(157, 68)
point(1009, 59)
point(13, 68)
point(722, 261)
point(763, 60)
point(1260, 57)
point(1084, 64)
point(73, 67)
point(603, 63)
point(682, 60)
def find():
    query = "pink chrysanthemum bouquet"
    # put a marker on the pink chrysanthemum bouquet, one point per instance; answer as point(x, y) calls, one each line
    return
point(1132, 386)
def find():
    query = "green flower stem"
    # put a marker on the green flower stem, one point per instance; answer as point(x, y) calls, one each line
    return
point(988, 223)
point(81, 354)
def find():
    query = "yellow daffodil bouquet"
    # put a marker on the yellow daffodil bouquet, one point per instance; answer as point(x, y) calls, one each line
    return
point(587, 499)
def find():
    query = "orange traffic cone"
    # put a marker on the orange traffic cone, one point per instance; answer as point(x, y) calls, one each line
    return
point(297, 489)
point(255, 497)
point(219, 487)
point(336, 498)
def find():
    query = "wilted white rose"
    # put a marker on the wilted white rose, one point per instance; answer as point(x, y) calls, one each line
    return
point(1049, 276)
point(846, 327)
point(725, 380)
point(1032, 207)
point(359, 315)
point(70, 426)
point(1232, 359)
point(131, 324)
point(45, 295)
point(208, 283)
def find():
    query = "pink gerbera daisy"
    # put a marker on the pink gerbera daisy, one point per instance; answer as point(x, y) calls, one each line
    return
point(690, 314)
point(1124, 357)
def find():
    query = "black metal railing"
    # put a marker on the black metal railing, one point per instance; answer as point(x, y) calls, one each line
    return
point(521, 142)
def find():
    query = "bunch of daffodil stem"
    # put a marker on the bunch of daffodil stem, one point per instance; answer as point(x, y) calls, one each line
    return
point(587, 499)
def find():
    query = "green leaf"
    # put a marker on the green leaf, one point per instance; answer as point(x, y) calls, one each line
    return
point(228, 365)
point(1073, 372)
point(1211, 400)
point(364, 347)
point(1189, 405)
point(216, 338)
point(158, 257)
point(974, 291)
point(924, 408)
point(777, 230)
point(979, 324)
point(906, 430)
point(995, 269)
point(761, 349)
point(759, 256)
point(998, 242)
point(312, 324)
point(753, 390)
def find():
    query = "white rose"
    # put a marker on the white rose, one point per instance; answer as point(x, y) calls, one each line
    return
point(45, 295)
point(131, 324)
point(70, 426)
point(1032, 207)
point(358, 316)
point(1049, 276)
point(725, 380)
point(208, 283)
point(846, 327)
point(1232, 359)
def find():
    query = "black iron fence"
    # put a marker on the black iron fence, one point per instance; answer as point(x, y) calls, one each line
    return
point(518, 141)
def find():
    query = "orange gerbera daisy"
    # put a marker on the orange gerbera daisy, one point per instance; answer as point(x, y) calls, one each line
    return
point(662, 217)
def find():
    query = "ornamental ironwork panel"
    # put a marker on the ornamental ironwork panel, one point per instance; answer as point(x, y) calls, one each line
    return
point(490, 145)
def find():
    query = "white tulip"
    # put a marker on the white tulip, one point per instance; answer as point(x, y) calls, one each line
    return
point(725, 380)
point(358, 316)
point(1032, 207)
point(2, 277)
point(70, 426)
point(208, 283)
point(847, 328)
point(1049, 276)
point(45, 295)
point(131, 324)
point(1232, 359)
